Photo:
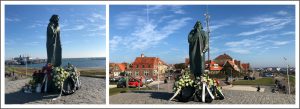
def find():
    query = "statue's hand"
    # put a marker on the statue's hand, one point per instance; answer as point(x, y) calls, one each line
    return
point(205, 49)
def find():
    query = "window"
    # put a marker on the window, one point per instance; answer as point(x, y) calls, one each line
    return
point(129, 73)
point(136, 73)
point(154, 72)
point(216, 65)
point(143, 66)
point(149, 66)
point(137, 66)
point(146, 73)
point(116, 73)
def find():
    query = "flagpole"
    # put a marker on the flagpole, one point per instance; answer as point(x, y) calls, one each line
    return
point(207, 17)
point(287, 73)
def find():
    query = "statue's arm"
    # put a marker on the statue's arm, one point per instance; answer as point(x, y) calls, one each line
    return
point(190, 37)
point(49, 31)
point(205, 41)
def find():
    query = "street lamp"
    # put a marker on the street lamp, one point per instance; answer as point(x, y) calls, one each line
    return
point(287, 73)
point(26, 65)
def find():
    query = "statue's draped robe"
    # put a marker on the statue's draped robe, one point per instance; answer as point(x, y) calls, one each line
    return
point(54, 54)
point(198, 45)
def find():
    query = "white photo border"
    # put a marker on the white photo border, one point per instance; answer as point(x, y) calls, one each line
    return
point(107, 3)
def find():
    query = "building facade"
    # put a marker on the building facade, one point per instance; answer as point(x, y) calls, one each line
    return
point(147, 67)
point(116, 68)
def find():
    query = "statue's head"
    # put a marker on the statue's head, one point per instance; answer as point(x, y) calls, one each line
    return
point(198, 25)
point(54, 18)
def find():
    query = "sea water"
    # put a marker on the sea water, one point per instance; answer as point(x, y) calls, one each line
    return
point(77, 62)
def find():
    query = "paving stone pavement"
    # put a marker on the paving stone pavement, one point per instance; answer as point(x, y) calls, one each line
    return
point(92, 91)
point(231, 97)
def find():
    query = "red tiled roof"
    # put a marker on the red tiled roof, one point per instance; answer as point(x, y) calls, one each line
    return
point(147, 61)
point(213, 67)
point(234, 66)
point(122, 67)
point(246, 66)
point(223, 56)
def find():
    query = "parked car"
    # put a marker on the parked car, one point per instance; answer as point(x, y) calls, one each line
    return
point(268, 75)
point(135, 83)
point(121, 83)
point(249, 78)
point(149, 80)
point(115, 79)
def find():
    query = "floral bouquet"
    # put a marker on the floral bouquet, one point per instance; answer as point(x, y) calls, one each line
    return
point(59, 75)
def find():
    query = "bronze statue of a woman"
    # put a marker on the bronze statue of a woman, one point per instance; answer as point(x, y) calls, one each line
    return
point(53, 45)
point(198, 45)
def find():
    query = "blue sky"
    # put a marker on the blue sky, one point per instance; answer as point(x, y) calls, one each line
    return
point(261, 35)
point(82, 30)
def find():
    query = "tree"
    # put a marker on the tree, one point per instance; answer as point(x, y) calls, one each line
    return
point(180, 66)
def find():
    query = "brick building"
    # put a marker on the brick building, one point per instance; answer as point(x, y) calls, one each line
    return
point(116, 68)
point(147, 67)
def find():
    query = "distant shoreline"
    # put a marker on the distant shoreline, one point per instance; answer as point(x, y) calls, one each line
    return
point(88, 71)
point(73, 58)
point(91, 62)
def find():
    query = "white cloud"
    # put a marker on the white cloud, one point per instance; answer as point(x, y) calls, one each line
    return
point(288, 33)
point(12, 19)
point(96, 18)
point(244, 43)
point(147, 35)
point(33, 43)
point(124, 20)
point(178, 10)
point(102, 17)
point(97, 27)
point(37, 25)
point(247, 33)
point(259, 20)
point(75, 28)
point(280, 42)
point(115, 42)
point(127, 19)
point(218, 24)
point(245, 46)
point(95, 34)
point(214, 27)
point(264, 24)
point(239, 50)
point(163, 18)
point(282, 12)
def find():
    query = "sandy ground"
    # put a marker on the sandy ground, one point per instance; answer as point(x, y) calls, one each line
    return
point(92, 92)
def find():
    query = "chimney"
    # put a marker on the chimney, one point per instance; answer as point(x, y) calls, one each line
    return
point(142, 55)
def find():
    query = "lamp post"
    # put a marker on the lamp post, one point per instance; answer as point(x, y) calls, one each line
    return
point(158, 81)
point(287, 73)
point(26, 65)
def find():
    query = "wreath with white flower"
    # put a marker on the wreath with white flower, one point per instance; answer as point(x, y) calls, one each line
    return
point(59, 76)
point(184, 81)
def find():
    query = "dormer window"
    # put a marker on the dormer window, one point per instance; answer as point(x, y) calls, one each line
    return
point(216, 65)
